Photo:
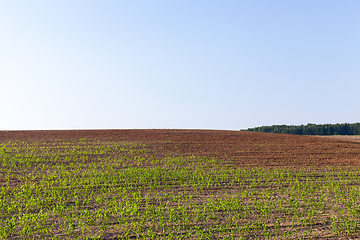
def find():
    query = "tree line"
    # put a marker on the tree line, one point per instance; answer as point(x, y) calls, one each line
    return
point(311, 129)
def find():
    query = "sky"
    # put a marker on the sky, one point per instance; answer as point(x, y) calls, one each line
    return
point(71, 64)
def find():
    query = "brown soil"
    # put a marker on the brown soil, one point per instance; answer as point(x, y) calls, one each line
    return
point(355, 138)
point(239, 147)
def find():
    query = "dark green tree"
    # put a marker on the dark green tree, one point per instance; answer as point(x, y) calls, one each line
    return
point(312, 129)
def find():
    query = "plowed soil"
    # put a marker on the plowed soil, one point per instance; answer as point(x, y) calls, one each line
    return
point(247, 149)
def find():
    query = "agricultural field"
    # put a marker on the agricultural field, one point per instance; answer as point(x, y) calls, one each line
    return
point(177, 184)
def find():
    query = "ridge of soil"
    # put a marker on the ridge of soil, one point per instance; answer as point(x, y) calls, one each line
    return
point(247, 149)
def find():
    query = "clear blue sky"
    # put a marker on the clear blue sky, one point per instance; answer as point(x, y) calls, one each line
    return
point(178, 64)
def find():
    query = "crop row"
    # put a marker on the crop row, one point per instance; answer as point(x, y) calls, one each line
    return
point(94, 189)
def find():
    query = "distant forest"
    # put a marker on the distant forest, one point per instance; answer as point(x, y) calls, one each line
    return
point(312, 129)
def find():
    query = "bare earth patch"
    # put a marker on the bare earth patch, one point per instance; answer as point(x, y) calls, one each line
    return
point(345, 138)
point(243, 148)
